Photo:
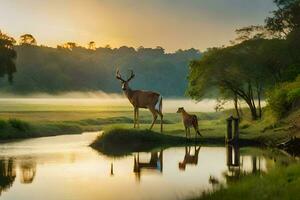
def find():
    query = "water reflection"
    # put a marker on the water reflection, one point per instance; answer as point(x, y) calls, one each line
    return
point(171, 173)
point(242, 165)
point(189, 158)
point(155, 164)
point(7, 174)
point(28, 171)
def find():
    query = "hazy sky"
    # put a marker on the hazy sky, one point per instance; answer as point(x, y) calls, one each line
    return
point(172, 24)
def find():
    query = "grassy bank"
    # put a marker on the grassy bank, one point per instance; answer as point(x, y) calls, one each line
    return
point(15, 128)
point(47, 123)
point(70, 120)
point(122, 141)
point(279, 183)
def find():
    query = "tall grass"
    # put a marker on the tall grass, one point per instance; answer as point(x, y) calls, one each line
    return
point(280, 183)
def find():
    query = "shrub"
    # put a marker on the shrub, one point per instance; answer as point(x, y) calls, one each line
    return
point(3, 124)
point(19, 124)
point(281, 99)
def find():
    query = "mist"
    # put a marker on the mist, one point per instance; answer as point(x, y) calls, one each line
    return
point(100, 100)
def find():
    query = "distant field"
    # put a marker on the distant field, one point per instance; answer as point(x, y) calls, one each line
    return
point(65, 116)
point(48, 116)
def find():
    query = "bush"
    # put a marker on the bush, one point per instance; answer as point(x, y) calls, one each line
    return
point(281, 99)
point(3, 124)
point(19, 124)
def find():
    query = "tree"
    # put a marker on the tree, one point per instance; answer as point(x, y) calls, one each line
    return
point(68, 46)
point(92, 45)
point(235, 73)
point(27, 39)
point(7, 56)
point(285, 19)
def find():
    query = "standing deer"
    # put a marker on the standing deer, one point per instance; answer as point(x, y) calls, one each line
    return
point(189, 121)
point(142, 99)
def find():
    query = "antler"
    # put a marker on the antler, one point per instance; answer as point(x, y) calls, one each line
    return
point(118, 76)
point(131, 76)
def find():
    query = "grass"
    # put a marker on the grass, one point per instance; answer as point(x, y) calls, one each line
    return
point(120, 141)
point(56, 120)
point(279, 183)
point(47, 120)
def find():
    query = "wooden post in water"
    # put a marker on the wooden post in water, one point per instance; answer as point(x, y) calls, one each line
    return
point(229, 155)
point(236, 150)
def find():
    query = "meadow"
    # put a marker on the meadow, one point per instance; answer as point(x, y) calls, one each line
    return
point(36, 118)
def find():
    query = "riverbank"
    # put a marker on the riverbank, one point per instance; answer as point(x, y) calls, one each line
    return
point(122, 141)
point(265, 132)
point(279, 183)
point(25, 124)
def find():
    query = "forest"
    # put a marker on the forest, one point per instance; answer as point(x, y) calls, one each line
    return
point(70, 67)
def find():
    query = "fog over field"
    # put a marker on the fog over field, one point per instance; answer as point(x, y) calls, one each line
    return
point(94, 100)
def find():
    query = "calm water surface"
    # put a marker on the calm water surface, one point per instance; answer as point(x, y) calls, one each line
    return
point(64, 167)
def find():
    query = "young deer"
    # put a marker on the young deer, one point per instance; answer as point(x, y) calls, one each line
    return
point(189, 121)
point(142, 99)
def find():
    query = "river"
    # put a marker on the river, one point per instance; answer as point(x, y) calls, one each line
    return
point(65, 167)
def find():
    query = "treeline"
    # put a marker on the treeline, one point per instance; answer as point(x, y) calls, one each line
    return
point(70, 67)
point(259, 64)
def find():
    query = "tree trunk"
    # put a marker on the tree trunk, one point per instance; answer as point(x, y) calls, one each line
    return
point(235, 100)
point(259, 89)
point(252, 109)
point(259, 105)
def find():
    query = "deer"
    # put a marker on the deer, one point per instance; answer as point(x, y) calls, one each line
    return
point(189, 121)
point(142, 99)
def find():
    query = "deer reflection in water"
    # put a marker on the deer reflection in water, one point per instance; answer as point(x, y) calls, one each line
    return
point(189, 158)
point(155, 163)
point(8, 168)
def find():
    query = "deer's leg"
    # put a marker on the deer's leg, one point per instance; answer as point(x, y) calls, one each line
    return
point(189, 132)
point(153, 111)
point(186, 132)
point(161, 120)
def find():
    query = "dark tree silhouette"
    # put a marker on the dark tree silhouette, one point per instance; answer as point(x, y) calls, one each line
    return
point(27, 39)
point(92, 45)
point(285, 19)
point(7, 56)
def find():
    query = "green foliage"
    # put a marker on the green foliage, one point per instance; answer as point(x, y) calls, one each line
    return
point(277, 101)
point(74, 68)
point(263, 57)
point(19, 124)
point(281, 98)
point(280, 183)
point(285, 19)
point(3, 124)
point(7, 56)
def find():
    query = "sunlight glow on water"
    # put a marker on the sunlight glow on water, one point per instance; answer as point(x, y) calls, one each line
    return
point(64, 167)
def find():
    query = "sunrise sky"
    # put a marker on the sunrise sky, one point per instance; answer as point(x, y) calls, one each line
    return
point(172, 24)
